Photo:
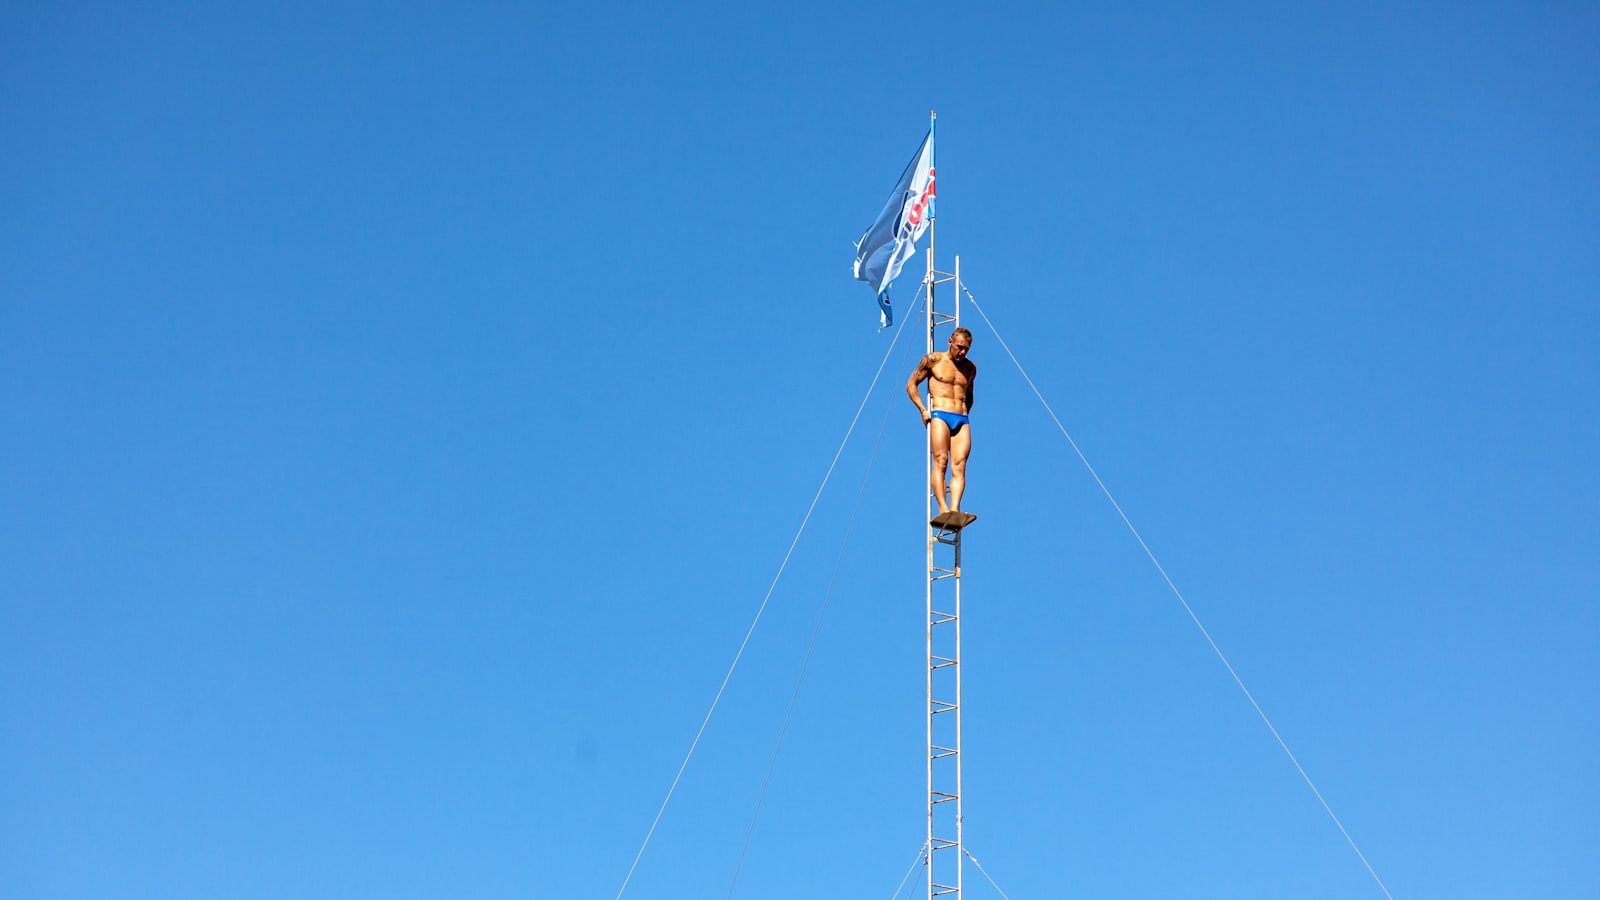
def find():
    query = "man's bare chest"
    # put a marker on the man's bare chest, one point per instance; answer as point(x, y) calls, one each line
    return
point(948, 373)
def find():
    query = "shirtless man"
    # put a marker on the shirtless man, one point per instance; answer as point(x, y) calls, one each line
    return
point(949, 433)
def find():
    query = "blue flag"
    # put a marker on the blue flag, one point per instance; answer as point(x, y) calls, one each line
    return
point(892, 239)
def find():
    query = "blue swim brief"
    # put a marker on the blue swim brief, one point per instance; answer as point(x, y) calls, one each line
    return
point(955, 420)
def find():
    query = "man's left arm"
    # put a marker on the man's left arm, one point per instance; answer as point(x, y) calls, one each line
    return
point(972, 388)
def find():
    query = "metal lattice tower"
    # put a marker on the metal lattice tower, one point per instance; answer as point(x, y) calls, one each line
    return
point(944, 848)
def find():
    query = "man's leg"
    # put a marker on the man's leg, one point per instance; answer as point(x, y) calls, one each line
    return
point(960, 449)
point(939, 441)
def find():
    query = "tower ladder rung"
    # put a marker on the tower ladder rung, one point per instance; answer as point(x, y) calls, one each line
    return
point(942, 752)
point(941, 663)
point(939, 706)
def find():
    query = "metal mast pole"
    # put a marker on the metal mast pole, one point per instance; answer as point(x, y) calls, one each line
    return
point(928, 507)
point(943, 697)
point(960, 848)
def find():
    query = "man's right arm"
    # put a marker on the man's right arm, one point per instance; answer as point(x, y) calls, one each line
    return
point(914, 383)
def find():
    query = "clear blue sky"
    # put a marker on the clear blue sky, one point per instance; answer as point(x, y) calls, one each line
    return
point(406, 406)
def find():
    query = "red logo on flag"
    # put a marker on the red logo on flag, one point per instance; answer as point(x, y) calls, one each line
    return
point(915, 216)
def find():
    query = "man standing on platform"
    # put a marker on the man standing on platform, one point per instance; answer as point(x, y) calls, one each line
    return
point(949, 433)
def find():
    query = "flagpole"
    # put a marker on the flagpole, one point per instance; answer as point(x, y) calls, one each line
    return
point(933, 163)
point(933, 222)
point(927, 491)
point(933, 202)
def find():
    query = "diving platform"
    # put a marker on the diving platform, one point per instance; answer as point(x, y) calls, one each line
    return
point(955, 520)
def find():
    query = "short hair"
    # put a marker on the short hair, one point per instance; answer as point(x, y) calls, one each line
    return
point(961, 332)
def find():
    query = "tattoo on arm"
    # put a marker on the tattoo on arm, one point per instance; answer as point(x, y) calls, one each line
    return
point(914, 383)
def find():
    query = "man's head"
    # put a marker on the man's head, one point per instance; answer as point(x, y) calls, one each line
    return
point(960, 343)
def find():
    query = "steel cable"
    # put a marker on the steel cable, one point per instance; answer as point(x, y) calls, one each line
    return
point(805, 664)
point(1179, 594)
point(760, 610)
